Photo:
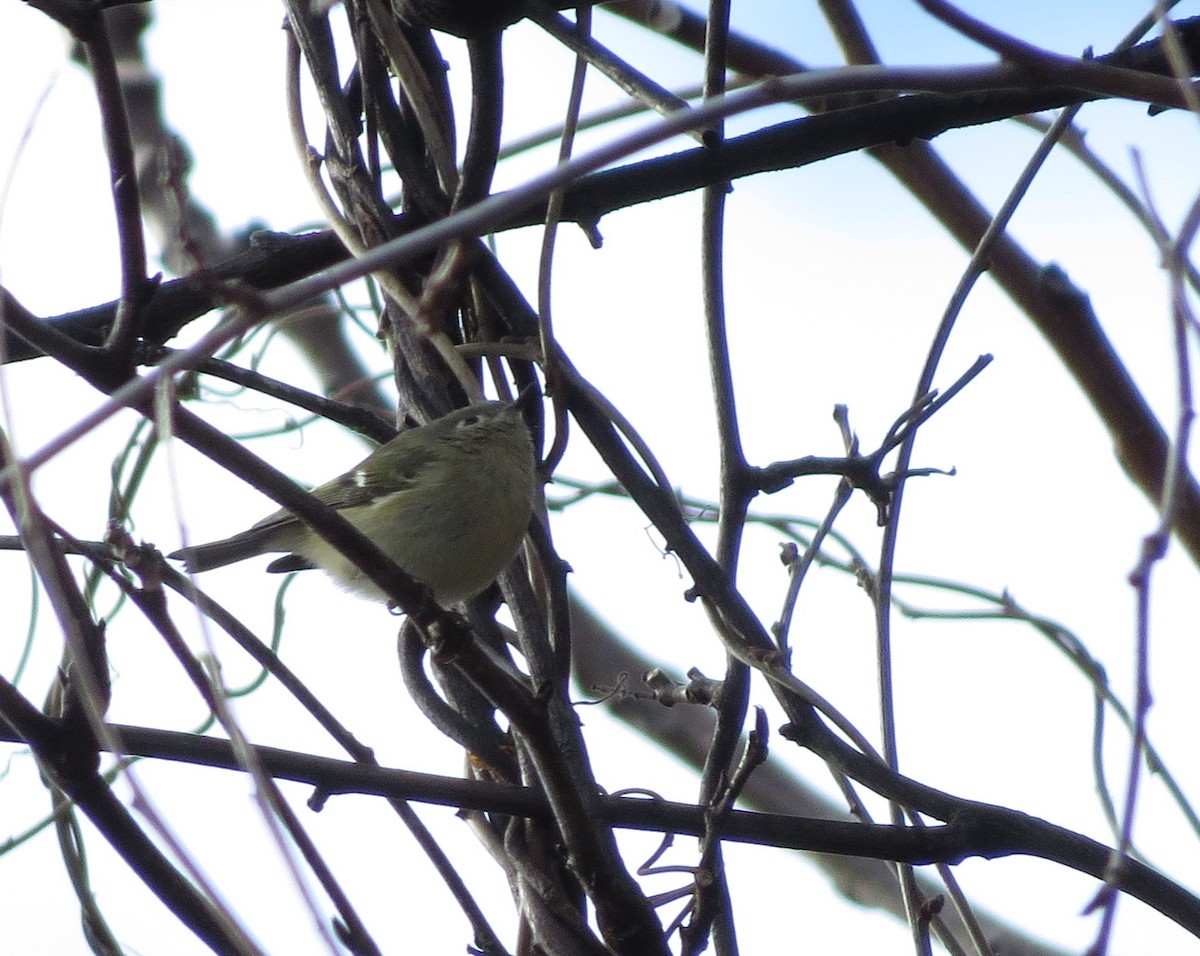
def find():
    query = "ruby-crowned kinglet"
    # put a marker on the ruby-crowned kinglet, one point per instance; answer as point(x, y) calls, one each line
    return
point(449, 502)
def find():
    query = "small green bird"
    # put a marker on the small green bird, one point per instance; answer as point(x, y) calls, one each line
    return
point(449, 502)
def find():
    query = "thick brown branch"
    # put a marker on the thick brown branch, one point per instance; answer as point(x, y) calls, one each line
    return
point(974, 829)
point(277, 260)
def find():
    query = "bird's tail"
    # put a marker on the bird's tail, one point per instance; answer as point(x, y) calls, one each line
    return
point(205, 557)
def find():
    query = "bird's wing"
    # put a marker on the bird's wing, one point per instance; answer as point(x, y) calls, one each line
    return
point(357, 488)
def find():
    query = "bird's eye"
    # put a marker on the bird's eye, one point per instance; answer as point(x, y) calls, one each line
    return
point(469, 421)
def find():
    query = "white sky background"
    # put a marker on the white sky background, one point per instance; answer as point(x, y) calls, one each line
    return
point(836, 280)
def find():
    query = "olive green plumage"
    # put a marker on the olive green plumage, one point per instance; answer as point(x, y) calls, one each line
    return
point(449, 502)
